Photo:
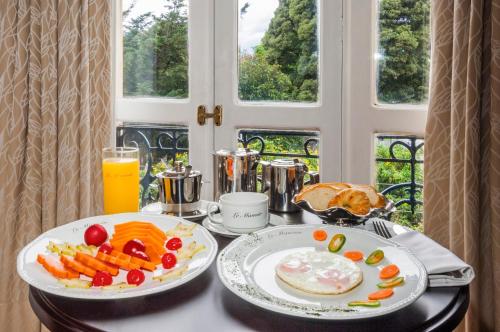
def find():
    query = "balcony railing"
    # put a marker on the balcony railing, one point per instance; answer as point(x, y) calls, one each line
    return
point(171, 142)
point(404, 150)
point(155, 142)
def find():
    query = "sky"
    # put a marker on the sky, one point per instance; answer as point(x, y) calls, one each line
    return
point(252, 25)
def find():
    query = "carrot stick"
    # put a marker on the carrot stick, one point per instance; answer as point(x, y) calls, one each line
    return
point(381, 294)
point(354, 255)
point(389, 271)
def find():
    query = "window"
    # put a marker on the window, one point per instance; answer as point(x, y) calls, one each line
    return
point(402, 51)
point(399, 175)
point(278, 50)
point(278, 144)
point(155, 48)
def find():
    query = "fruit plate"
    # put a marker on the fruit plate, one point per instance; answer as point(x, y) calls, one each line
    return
point(247, 268)
point(34, 274)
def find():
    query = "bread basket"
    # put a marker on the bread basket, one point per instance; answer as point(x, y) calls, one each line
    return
point(338, 214)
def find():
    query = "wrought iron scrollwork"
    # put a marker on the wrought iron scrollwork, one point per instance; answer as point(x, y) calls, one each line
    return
point(168, 142)
point(247, 137)
point(412, 144)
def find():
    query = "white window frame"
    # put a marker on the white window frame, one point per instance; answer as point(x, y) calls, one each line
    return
point(170, 110)
point(362, 116)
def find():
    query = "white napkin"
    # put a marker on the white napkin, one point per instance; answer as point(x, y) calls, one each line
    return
point(443, 267)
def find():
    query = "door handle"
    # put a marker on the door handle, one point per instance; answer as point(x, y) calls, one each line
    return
point(203, 115)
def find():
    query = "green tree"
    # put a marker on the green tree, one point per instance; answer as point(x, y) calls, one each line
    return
point(156, 54)
point(404, 50)
point(291, 42)
point(260, 80)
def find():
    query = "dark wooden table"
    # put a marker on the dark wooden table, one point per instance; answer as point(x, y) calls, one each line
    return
point(204, 304)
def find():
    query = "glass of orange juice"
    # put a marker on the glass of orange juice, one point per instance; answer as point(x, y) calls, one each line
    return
point(120, 174)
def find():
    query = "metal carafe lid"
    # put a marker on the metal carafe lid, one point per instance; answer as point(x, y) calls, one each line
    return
point(287, 163)
point(179, 171)
point(240, 152)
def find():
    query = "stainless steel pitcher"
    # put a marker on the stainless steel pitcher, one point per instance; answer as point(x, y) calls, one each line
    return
point(235, 171)
point(282, 179)
point(180, 188)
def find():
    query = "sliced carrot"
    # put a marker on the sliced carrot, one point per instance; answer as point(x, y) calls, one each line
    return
point(389, 271)
point(320, 235)
point(117, 261)
point(353, 255)
point(56, 268)
point(381, 294)
point(141, 262)
point(95, 263)
point(77, 266)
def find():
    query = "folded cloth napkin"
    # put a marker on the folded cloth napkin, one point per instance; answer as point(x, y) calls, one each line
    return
point(443, 267)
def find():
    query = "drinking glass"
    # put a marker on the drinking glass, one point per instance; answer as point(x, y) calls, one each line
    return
point(120, 174)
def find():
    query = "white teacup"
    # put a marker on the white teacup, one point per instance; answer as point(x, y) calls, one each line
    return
point(241, 212)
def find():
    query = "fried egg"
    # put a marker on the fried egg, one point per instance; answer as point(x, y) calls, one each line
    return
point(319, 272)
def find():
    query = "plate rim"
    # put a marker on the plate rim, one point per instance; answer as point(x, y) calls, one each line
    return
point(421, 286)
point(115, 294)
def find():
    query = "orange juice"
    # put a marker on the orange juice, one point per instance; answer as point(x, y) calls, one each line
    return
point(121, 185)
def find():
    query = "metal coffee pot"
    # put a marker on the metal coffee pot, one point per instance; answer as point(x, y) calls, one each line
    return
point(282, 179)
point(180, 188)
point(235, 170)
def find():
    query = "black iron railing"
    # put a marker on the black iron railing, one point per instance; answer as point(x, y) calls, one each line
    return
point(412, 145)
point(171, 142)
point(155, 142)
point(309, 149)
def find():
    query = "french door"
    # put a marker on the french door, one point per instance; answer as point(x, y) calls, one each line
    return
point(319, 109)
point(220, 59)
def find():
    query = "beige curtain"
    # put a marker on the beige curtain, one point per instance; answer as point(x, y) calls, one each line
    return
point(462, 147)
point(54, 121)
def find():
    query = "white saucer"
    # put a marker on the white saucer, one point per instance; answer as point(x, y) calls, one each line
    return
point(155, 208)
point(219, 229)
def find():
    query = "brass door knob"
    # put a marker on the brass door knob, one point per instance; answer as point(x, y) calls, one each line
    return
point(203, 115)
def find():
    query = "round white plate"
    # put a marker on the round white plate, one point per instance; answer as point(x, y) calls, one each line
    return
point(247, 268)
point(155, 208)
point(219, 229)
point(34, 274)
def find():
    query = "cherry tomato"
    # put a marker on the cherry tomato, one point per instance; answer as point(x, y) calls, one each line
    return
point(133, 245)
point(168, 260)
point(135, 277)
point(106, 248)
point(95, 235)
point(140, 254)
point(174, 243)
point(102, 278)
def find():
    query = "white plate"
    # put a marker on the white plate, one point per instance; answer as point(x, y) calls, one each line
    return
point(219, 229)
point(155, 208)
point(34, 274)
point(247, 268)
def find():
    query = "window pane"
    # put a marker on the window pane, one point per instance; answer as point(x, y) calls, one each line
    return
point(399, 167)
point(278, 50)
point(403, 51)
point(155, 142)
point(279, 144)
point(155, 48)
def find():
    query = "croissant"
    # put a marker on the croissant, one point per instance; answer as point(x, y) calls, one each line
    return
point(354, 200)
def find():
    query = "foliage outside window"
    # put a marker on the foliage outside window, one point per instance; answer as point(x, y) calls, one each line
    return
point(155, 49)
point(284, 65)
point(403, 51)
point(390, 173)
